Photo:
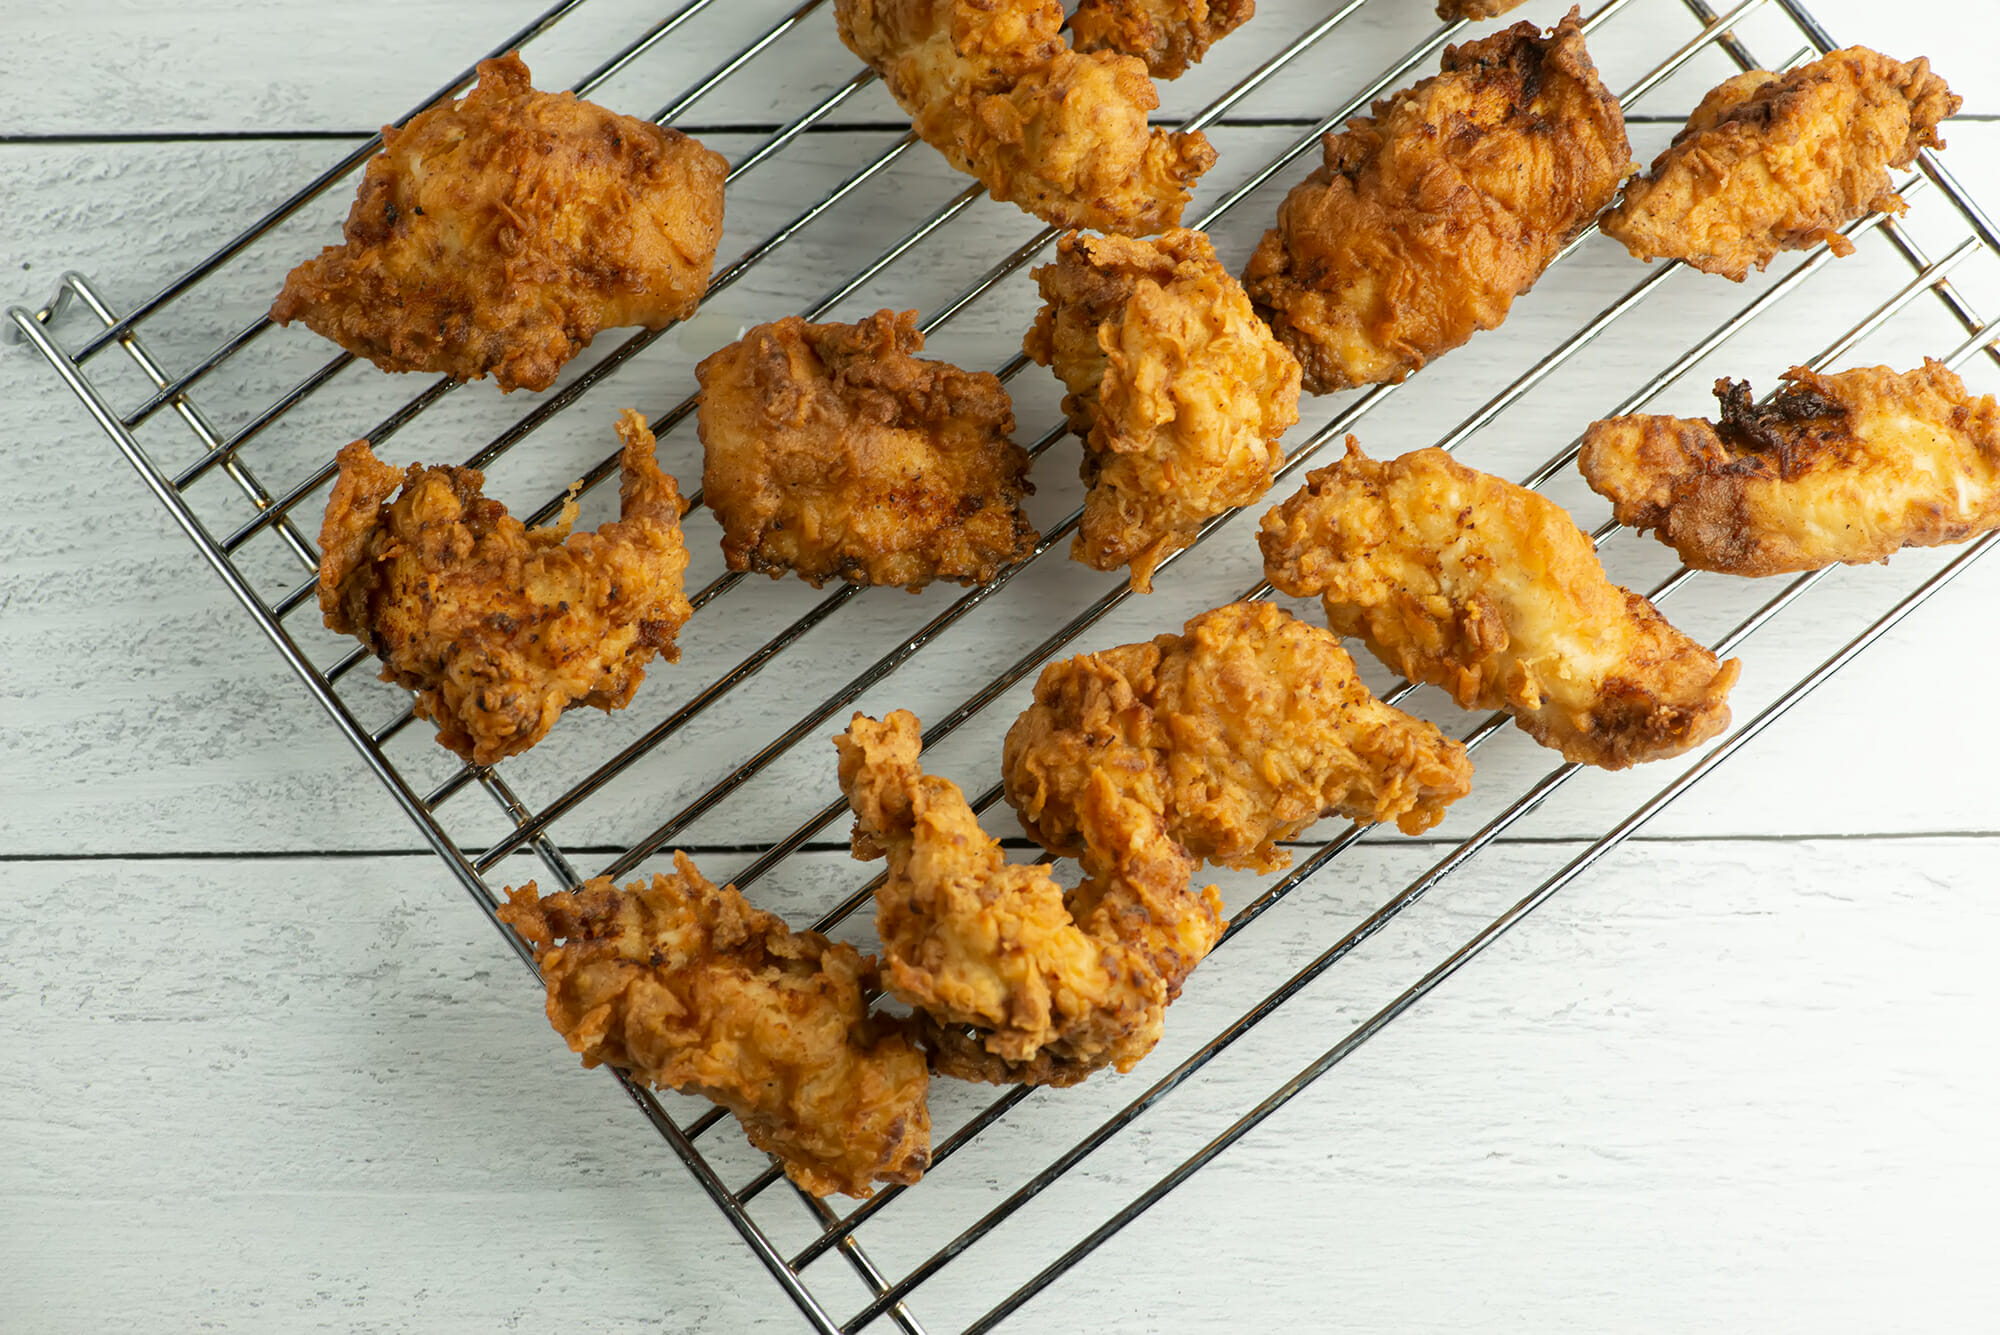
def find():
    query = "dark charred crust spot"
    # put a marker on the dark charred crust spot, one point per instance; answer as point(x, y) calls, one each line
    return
point(1794, 428)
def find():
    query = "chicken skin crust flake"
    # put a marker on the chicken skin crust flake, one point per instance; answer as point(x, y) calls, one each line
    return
point(497, 235)
point(1849, 467)
point(499, 628)
point(1238, 733)
point(992, 85)
point(1169, 35)
point(684, 986)
point(1464, 580)
point(832, 452)
point(1780, 162)
point(1431, 215)
point(1177, 389)
point(1050, 990)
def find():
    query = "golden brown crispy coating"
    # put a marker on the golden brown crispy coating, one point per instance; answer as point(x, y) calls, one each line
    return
point(1466, 581)
point(684, 986)
point(499, 233)
point(1051, 991)
point(1431, 215)
point(1780, 162)
point(1238, 733)
point(1176, 387)
point(833, 452)
point(1475, 10)
point(992, 85)
point(1848, 467)
point(500, 628)
point(1169, 35)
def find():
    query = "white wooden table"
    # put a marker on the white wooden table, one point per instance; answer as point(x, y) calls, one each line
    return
point(263, 1068)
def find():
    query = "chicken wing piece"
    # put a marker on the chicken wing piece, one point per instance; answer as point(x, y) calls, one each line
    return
point(1169, 35)
point(1238, 734)
point(1431, 215)
point(500, 628)
point(1176, 387)
point(1779, 162)
point(992, 85)
point(1466, 581)
point(1475, 10)
point(831, 451)
point(684, 986)
point(1848, 467)
point(499, 233)
point(1051, 990)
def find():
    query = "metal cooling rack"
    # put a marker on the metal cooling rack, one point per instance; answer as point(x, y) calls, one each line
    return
point(275, 515)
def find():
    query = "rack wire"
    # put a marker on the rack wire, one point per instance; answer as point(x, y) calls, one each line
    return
point(238, 539)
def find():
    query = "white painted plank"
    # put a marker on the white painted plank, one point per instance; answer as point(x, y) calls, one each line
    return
point(178, 729)
point(285, 66)
point(1706, 1079)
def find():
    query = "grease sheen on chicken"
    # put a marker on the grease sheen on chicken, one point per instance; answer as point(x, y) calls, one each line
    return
point(1177, 389)
point(499, 628)
point(1238, 733)
point(1467, 581)
point(832, 452)
point(992, 85)
point(497, 235)
point(1848, 467)
point(684, 986)
point(1774, 162)
point(1431, 215)
point(1050, 987)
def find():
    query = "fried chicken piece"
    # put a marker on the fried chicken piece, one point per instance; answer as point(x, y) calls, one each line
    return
point(684, 986)
point(1780, 162)
point(500, 628)
point(1052, 991)
point(1466, 581)
point(831, 451)
point(1238, 733)
point(1431, 215)
point(1176, 387)
point(499, 233)
point(992, 85)
point(1848, 467)
point(1169, 35)
point(1474, 10)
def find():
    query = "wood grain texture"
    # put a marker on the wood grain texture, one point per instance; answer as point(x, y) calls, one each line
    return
point(318, 1094)
point(181, 732)
point(166, 71)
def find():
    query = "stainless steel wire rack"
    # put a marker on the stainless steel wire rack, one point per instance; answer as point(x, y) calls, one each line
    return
point(206, 424)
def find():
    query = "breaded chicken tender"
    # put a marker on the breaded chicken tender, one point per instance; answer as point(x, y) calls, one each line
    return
point(1169, 35)
point(1848, 467)
point(497, 235)
point(1774, 162)
point(992, 85)
point(1475, 10)
point(1050, 990)
point(1464, 580)
point(833, 452)
point(1178, 390)
point(1431, 215)
point(1238, 734)
point(499, 628)
point(684, 986)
